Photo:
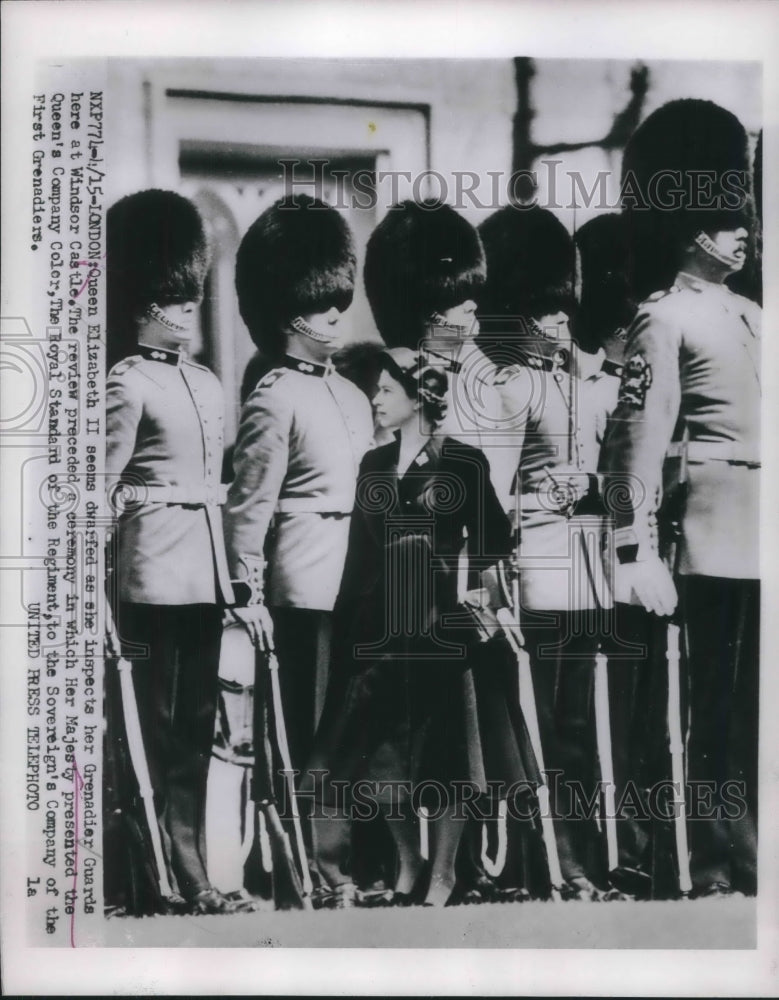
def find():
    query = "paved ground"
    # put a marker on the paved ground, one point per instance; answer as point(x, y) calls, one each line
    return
point(703, 924)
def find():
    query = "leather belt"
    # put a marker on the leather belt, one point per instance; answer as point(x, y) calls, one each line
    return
point(531, 504)
point(731, 452)
point(183, 496)
point(324, 506)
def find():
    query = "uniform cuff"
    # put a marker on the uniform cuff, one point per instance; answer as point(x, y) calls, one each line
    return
point(249, 587)
point(626, 545)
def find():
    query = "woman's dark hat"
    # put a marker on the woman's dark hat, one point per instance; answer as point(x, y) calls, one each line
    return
point(416, 373)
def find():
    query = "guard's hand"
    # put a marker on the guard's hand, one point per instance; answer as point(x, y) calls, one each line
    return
point(650, 582)
point(257, 621)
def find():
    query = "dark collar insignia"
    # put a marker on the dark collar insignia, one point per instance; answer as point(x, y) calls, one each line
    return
point(558, 361)
point(611, 368)
point(163, 354)
point(306, 367)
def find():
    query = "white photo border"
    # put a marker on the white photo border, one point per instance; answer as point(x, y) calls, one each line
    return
point(705, 29)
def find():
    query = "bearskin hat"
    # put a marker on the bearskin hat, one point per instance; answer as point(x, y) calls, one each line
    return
point(685, 169)
point(296, 259)
point(671, 152)
point(422, 258)
point(607, 302)
point(530, 264)
point(157, 252)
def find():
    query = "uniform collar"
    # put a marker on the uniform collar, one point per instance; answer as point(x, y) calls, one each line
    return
point(697, 284)
point(163, 354)
point(306, 367)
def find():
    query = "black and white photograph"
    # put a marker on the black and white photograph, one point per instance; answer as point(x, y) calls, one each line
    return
point(388, 461)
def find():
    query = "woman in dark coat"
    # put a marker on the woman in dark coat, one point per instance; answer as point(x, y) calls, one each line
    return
point(407, 723)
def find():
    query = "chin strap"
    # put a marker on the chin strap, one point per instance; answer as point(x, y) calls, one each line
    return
point(157, 314)
point(709, 247)
point(299, 325)
point(459, 330)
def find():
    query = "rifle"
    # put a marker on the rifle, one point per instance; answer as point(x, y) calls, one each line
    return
point(670, 521)
point(476, 604)
point(603, 717)
point(508, 617)
point(291, 888)
point(135, 745)
point(603, 734)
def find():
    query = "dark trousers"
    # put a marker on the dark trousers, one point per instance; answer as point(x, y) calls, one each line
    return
point(174, 651)
point(302, 639)
point(562, 659)
point(721, 653)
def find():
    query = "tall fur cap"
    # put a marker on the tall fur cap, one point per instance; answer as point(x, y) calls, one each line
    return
point(530, 263)
point(688, 163)
point(296, 259)
point(421, 259)
point(157, 251)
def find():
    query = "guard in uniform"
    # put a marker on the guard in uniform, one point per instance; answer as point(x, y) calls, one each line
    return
point(170, 581)
point(607, 307)
point(691, 389)
point(302, 435)
point(565, 395)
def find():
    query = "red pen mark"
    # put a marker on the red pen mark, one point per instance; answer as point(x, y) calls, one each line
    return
point(78, 784)
point(94, 272)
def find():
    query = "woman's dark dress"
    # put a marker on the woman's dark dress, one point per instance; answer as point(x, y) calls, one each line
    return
point(411, 698)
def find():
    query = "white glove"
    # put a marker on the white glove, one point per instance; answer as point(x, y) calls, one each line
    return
point(257, 621)
point(648, 581)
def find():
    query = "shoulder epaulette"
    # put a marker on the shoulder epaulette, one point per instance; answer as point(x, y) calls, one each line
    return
point(270, 378)
point(657, 296)
point(504, 375)
point(124, 366)
point(559, 362)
